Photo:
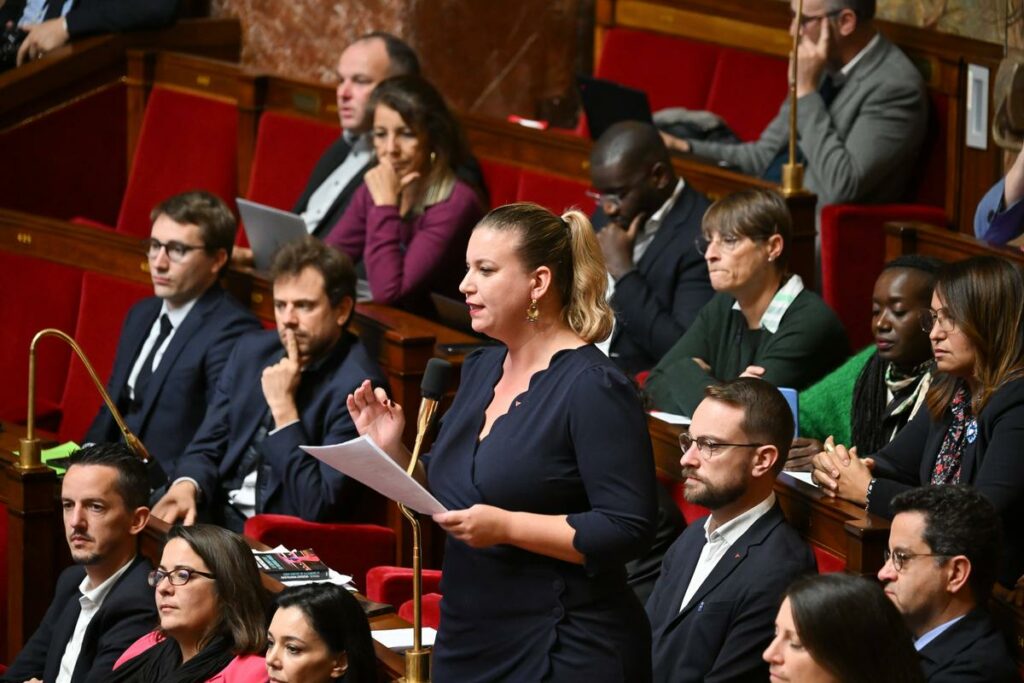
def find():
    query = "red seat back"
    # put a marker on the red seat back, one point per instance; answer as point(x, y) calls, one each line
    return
point(827, 561)
point(393, 585)
point(40, 294)
point(187, 142)
point(502, 180)
point(103, 306)
point(431, 610)
point(287, 149)
point(554, 193)
point(742, 79)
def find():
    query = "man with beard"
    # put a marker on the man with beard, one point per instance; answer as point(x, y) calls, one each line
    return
point(713, 608)
point(279, 391)
point(103, 603)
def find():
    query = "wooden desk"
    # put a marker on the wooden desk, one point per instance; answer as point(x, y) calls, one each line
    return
point(943, 244)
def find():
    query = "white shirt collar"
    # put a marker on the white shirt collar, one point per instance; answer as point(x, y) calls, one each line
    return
point(177, 315)
point(780, 303)
point(98, 594)
point(848, 67)
point(732, 530)
point(659, 215)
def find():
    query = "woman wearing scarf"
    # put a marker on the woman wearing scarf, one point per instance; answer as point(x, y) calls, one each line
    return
point(972, 430)
point(870, 398)
point(212, 617)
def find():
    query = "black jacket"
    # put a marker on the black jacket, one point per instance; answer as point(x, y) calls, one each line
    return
point(972, 650)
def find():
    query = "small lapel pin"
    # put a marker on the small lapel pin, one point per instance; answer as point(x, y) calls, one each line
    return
point(700, 607)
point(518, 403)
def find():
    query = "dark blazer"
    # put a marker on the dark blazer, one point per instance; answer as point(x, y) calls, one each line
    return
point(972, 650)
point(656, 302)
point(295, 483)
point(127, 613)
point(728, 623)
point(992, 464)
point(184, 382)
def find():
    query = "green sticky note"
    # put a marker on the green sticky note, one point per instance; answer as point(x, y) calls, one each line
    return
point(57, 453)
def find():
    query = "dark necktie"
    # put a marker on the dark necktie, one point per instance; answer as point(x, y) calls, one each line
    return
point(828, 91)
point(146, 372)
point(53, 9)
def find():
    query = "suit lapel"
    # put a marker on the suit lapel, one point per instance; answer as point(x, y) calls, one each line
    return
point(689, 555)
point(62, 633)
point(133, 340)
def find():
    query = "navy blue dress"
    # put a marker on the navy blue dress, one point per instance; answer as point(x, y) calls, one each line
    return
point(574, 443)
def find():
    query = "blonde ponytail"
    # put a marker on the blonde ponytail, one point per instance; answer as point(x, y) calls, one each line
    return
point(587, 310)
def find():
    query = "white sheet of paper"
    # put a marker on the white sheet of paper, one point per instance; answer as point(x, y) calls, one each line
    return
point(670, 418)
point(364, 461)
point(805, 477)
point(401, 638)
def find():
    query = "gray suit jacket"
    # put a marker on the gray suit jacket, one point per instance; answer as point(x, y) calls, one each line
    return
point(862, 148)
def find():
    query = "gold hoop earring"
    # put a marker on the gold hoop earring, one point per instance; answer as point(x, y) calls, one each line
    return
point(532, 313)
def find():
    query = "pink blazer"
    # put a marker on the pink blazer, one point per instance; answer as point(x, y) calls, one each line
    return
point(244, 669)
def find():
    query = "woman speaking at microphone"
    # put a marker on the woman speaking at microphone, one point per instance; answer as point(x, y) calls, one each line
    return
point(544, 464)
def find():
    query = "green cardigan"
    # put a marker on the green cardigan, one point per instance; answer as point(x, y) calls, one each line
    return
point(827, 406)
point(809, 342)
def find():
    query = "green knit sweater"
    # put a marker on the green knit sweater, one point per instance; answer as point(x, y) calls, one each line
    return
point(827, 406)
point(809, 342)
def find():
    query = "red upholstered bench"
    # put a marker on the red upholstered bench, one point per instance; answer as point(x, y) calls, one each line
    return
point(510, 183)
point(431, 610)
point(393, 585)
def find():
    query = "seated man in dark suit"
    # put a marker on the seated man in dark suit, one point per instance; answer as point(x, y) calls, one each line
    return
point(943, 557)
point(649, 222)
point(174, 345)
point(278, 391)
point(103, 603)
point(712, 611)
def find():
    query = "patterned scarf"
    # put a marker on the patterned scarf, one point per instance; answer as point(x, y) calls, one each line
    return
point(908, 390)
point(961, 431)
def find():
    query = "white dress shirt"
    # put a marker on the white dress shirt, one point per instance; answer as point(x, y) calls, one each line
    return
point(325, 195)
point(720, 540)
point(177, 317)
point(91, 601)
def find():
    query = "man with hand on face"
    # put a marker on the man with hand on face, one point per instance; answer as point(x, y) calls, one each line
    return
point(713, 608)
point(279, 391)
point(174, 344)
point(942, 561)
point(103, 603)
point(861, 111)
point(648, 222)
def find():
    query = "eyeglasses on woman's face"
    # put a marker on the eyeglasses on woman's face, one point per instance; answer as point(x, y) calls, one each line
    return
point(177, 577)
point(930, 317)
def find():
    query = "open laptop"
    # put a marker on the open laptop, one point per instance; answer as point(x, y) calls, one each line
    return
point(267, 229)
point(606, 103)
point(455, 314)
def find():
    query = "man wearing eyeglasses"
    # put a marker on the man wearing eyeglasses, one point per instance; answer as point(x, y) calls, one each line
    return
point(941, 564)
point(102, 604)
point(861, 112)
point(713, 608)
point(173, 345)
point(647, 221)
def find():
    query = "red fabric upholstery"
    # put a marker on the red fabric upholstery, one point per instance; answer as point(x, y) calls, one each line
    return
point(747, 90)
point(40, 294)
point(502, 180)
point(691, 512)
point(393, 585)
point(287, 148)
point(852, 256)
point(431, 610)
point(347, 548)
point(827, 562)
point(186, 142)
point(673, 72)
point(553, 192)
point(102, 308)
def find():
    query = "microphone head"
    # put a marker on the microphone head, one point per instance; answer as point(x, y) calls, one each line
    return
point(435, 378)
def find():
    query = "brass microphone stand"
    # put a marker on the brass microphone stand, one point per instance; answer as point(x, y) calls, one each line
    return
point(417, 660)
point(793, 172)
point(29, 455)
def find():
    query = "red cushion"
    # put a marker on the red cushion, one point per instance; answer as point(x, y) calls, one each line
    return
point(502, 180)
point(186, 142)
point(852, 256)
point(47, 296)
point(347, 548)
point(393, 585)
point(553, 192)
point(828, 562)
point(747, 90)
point(673, 72)
point(431, 610)
point(287, 148)
point(102, 308)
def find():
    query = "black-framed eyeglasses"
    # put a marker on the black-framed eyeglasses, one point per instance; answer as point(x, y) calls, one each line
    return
point(176, 251)
point(930, 316)
point(708, 448)
point(808, 18)
point(900, 558)
point(177, 577)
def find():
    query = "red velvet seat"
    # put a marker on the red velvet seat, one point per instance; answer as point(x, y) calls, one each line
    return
point(103, 306)
point(828, 562)
point(47, 296)
point(186, 142)
point(502, 180)
point(741, 79)
point(287, 149)
point(556, 193)
point(350, 549)
point(393, 585)
point(431, 610)
point(691, 511)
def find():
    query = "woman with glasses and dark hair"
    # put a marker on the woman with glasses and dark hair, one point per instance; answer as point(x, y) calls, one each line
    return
point(409, 223)
point(823, 626)
point(761, 323)
point(319, 634)
point(972, 430)
point(212, 613)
